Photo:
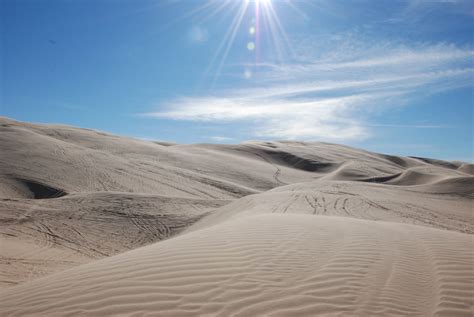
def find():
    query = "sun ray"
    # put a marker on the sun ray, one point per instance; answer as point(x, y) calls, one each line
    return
point(240, 16)
point(226, 44)
point(188, 15)
point(266, 32)
point(273, 17)
point(221, 6)
point(296, 9)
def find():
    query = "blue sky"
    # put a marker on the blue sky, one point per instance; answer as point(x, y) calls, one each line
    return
point(389, 76)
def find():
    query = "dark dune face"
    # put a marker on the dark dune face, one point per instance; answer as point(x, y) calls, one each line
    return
point(41, 191)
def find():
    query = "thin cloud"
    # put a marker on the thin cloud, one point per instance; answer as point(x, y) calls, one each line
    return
point(331, 98)
point(217, 138)
point(358, 61)
point(327, 118)
point(410, 126)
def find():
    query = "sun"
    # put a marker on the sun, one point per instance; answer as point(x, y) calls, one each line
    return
point(258, 2)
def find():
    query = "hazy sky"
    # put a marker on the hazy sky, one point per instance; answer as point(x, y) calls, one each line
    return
point(389, 76)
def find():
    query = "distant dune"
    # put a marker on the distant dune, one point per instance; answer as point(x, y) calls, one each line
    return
point(254, 229)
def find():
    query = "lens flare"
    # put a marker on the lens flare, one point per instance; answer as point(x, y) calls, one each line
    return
point(248, 74)
point(257, 18)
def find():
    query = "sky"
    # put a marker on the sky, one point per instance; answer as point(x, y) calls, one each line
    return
point(389, 76)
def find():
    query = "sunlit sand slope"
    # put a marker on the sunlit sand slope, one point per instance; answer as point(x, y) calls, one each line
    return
point(445, 204)
point(272, 265)
point(47, 235)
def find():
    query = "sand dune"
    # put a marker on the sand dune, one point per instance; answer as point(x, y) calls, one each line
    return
point(78, 160)
point(46, 235)
point(253, 229)
point(272, 265)
point(466, 168)
point(447, 204)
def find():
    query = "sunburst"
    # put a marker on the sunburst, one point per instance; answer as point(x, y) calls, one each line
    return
point(259, 18)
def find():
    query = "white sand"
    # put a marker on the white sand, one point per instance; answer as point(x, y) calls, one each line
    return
point(255, 229)
point(274, 265)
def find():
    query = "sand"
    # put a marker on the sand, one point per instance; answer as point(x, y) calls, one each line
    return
point(95, 224)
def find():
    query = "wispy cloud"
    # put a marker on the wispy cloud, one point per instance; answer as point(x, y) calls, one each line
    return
point(417, 9)
point(352, 59)
point(290, 119)
point(331, 96)
point(220, 138)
